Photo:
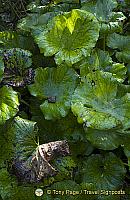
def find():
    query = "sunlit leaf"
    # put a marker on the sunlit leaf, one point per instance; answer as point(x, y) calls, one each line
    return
point(55, 87)
point(95, 102)
point(69, 36)
point(101, 60)
point(8, 103)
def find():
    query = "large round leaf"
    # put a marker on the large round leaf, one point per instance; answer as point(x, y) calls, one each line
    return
point(69, 36)
point(95, 102)
point(101, 60)
point(8, 103)
point(104, 139)
point(116, 41)
point(102, 9)
point(103, 172)
point(55, 87)
point(122, 45)
point(98, 59)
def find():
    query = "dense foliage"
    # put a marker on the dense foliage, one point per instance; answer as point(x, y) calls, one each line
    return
point(65, 75)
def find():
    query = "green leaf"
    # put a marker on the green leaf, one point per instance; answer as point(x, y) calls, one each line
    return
point(102, 9)
point(119, 71)
point(104, 59)
point(55, 8)
point(66, 128)
point(6, 143)
point(116, 41)
point(7, 36)
point(8, 185)
point(1, 69)
point(104, 139)
point(65, 162)
point(24, 132)
point(26, 192)
point(55, 87)
point(121, 44)
point(109, 28)
point(128, 72)
point(65, 167)
point(14, 39)
point(65, 38)
point(103, 172)
point(127, 2)
point(8, 103)
point(98, 60)
point(126, 145)
point(95, 102)
point(115, 24)
point(123, 56)
point(118, 16)
point(66, 1)
point(10, 189)
point(101, 60)
point(64, 7)
point(127, 153)
point(35, 21)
